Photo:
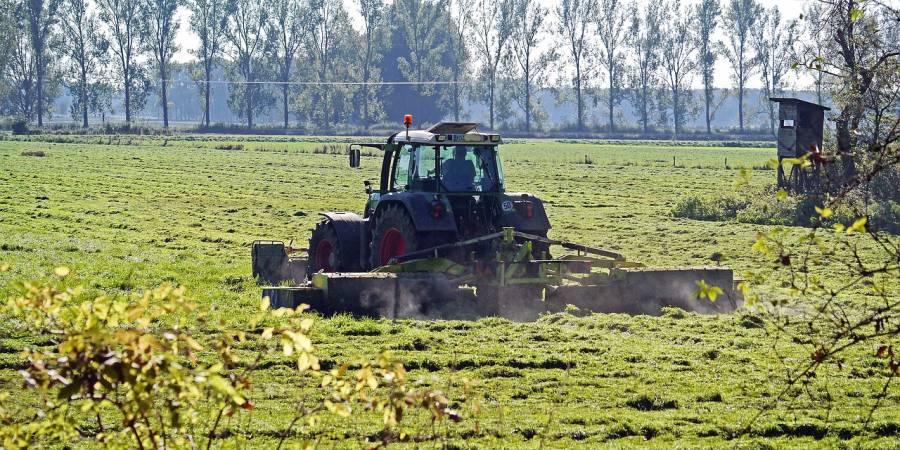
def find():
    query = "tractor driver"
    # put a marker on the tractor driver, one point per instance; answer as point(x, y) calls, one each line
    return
point(458, 174)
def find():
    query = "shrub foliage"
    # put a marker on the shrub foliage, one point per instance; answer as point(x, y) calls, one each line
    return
point(135, 359)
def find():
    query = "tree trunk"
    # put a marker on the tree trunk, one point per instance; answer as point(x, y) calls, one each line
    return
point(491, 100)
point(127, 100)
point(84, 95)
point(248, 94)
point(772, 119)
point(675, 110)
point(165, 96)
point(612, 125)
point(366, 104)
point(40, 90)
point(284, 96)
point(527, 107)
point(455, 96)
point(527, 99)
point(644, 114)
point(741, 106)
point(579, 111)
point(708, 100)
point(845, 145)
point(206, 96)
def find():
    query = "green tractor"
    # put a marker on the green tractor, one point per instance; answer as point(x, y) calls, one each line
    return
point(441, 237)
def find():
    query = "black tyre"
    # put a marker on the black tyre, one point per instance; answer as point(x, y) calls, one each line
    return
point(324, 250)
point(394, 235)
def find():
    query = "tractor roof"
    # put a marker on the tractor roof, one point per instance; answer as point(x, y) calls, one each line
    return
point(453, 128)
point(449, 133)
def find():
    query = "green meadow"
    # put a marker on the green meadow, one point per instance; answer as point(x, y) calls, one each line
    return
point(130, 213)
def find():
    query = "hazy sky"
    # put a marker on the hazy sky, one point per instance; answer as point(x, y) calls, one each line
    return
point(790, 9)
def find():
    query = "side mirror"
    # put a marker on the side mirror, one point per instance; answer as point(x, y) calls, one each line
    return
point(354, 157)
point(368, 186)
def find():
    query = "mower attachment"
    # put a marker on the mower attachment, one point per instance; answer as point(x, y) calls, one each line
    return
point(509, 282)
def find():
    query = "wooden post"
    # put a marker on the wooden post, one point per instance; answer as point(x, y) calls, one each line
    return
point(780, 173)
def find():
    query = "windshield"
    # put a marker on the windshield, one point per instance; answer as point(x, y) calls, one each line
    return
point(469, 168)
point(463, 168)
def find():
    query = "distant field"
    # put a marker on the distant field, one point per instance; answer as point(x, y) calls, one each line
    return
point(130, 213)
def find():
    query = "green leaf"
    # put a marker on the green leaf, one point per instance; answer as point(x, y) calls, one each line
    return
point(856, 14)
point(781, 194)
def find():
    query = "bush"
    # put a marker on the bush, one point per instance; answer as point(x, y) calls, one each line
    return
point(709, 208)
point(129, 367)
point(19, 126)
point(761, 207)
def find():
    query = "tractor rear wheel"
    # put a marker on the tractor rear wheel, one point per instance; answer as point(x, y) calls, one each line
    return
point(324, 250)
point(394, 235)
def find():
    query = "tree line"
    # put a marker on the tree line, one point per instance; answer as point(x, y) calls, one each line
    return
point(306, 59)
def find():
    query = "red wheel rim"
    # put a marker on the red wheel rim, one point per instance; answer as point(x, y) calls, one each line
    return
point(324, 249)
point(392, 244)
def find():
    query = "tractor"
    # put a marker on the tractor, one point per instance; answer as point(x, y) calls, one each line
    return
point(440, 237)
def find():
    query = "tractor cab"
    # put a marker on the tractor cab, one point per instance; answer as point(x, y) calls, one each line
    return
point(448, 158)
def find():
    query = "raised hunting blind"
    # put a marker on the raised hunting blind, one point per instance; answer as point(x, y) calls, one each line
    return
point(800, 132)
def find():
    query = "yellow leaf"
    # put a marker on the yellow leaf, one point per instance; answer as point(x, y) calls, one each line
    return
point(707, 291)
point(303, 361)
point(264, 303)
point(781, 194)
point(343, 410)
point(839, 227)
point(306, 324)
point(760, 245)
point(858, 226)
point(824, 212)
point(267, 333)
point(61, 272)
point(287, 345)
point(4, 267)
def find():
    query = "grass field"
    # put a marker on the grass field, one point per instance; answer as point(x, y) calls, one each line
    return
point(131, 213)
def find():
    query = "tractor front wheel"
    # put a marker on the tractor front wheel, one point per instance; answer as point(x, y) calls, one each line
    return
point(324, 250)
point(394, 235)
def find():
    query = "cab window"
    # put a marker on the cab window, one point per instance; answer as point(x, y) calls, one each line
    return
point(469, 168)
point(423, 170)
point(402, 166)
